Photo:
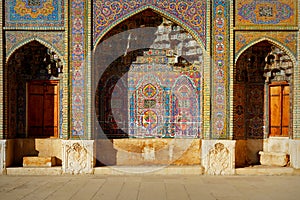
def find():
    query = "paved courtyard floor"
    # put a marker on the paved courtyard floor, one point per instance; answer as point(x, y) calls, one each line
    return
point(154, 187)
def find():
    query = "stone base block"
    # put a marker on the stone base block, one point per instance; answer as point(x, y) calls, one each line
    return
point(276, 144)
point(264, 170)
point(35, 161)
point(33, 171)
point(2, 156)
point(274, 158)
point(218, 157)
point(78, 156)
point(295, 153)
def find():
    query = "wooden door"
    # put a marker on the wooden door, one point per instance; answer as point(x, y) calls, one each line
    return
point(279, 109)
point(42, 108)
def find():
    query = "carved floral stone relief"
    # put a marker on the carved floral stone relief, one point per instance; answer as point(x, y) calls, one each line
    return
point(218, 157)
point(78, 157)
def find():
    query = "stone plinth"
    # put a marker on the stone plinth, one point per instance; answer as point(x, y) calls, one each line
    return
point(276, 144)
point(49, 147)
point(2, 156)
point(274, 158)
point(78, 156)
point(35, 161)
point(275, 151)
point(218, 157)
point(295, 153)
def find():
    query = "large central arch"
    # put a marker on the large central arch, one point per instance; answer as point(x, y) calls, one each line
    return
point(138, 38)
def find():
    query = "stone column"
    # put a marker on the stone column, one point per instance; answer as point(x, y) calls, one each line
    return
point(218, 157)
point(2, 156)
point(78, 156)
point(294, 149)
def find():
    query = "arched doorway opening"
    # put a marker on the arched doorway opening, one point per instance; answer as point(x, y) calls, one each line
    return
point(32, 92)
point(147, 76)
point(262, 98)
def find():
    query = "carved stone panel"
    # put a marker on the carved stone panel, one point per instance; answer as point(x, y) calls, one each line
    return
point(78, 156)
point(218, 157)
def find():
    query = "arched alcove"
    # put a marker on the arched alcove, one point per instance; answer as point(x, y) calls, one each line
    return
point(32, 87)
point(262, 96)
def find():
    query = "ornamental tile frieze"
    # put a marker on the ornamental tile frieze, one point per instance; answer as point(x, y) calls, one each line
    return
point(220, 59)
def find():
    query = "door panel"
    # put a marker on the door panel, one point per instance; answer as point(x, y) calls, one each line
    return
point(275, 108)
point(42, 108)
point(285, 110)
point(279, 109)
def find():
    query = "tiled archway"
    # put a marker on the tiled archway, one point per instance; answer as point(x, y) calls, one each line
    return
point(150, 49)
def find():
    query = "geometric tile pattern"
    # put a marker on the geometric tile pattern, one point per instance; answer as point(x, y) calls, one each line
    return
point(160, 108)
point(34, 13)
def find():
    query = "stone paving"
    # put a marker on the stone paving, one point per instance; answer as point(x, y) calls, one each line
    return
point(152, 187)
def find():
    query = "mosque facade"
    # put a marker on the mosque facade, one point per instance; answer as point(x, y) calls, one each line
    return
point(209, 84)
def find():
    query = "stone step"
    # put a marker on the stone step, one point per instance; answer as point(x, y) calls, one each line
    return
point(36, 161)
point(33, 171)
point(265, 170)
point(274, 158)
point(150, 170)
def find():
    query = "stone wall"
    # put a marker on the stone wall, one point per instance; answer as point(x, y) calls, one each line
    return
point(128, 152)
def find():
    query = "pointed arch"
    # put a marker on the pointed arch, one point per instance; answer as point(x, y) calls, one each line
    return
point(27, 41)
point(148, 77)
point(272, 41)
point(154, 9)
point(184, 77)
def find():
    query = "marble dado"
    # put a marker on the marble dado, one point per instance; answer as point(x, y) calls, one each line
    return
point(215, 157)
